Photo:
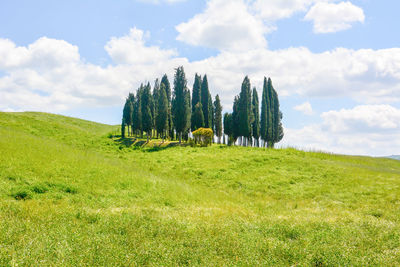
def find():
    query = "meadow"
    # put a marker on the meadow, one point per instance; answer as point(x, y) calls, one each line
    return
point(72, 194)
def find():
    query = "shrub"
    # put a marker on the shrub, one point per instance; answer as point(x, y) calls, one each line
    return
point(203, 136)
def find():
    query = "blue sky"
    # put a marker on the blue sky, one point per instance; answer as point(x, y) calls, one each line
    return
point(335, 64)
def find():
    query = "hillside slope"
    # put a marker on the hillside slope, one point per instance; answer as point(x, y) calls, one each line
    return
point(69, 195)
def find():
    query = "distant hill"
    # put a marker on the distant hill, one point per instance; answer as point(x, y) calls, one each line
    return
point(395, 157)
point(72, 194)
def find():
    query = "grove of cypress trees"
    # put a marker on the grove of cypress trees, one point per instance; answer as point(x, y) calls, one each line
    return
point(218, 118)
point(181, 111)
point(162, 114)
point(256, 116)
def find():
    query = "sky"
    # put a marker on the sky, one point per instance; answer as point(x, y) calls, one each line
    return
point(335, 64)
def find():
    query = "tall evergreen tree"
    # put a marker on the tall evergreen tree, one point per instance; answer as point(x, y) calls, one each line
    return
point(206, 103)
point(147, 117)
point(256, 117)
point(137, 112)
point(156, 92)
point(197, 117)
point(245, 117)
point(264, 113)
point(162, 114)
point(196, 98)
point(218, 118)
point(181, 103)
point(127, 113)
point(167, 87)
point(228, 127)
point(236, 119)
point(123, 128)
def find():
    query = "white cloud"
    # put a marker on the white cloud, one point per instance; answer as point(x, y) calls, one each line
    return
point(304, 108)
point(131, 49)
point(224, 25)
point(362, 119)
point(55, 68)
point(331, 17)
point(364, 130)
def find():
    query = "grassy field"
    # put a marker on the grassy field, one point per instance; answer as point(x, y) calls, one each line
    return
point(71, 195)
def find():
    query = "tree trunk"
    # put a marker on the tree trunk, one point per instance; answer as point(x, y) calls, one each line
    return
point(180, 138)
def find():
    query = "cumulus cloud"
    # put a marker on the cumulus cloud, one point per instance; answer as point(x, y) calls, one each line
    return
point(331, 17)
point(304, 108)
point(54, 68)
point(131, 49)
point(364, 130)
point(224, 25)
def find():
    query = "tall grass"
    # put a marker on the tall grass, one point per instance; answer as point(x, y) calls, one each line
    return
point(69, 195)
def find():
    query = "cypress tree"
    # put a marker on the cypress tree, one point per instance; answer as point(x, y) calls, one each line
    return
point(198, 117)
point(264, 112)
point(167, 87)
point(147, 104)
point(181, 111)
point(218, 118)
point(123, 128)
point(256, 116)
point(137, 111)
point(196, 98)
point(162, 114)
point(156, 92)
point(245, 118)
point(127, 113)
point(206, 103)
point(228, 127)
point(235, 119)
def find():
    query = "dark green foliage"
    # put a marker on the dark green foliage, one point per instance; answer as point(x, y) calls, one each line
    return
point(127, 113)
point(123, 128)
point(167, 87)
point(147, 103)
point(264, 111)
point(162, 113)
point(181, 111)
point(196, 98)
point(228, 127)
point(154, 108)
point(271, 116)
point(235, 119)
point(218, 118)
point(245, 111)
point(256, 116)
point(206, 103)
point(137, 111)
point(198, 117)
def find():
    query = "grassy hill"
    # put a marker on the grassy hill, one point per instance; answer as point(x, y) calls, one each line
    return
point(70, 195)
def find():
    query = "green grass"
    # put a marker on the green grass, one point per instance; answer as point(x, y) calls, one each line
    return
point(70, 195)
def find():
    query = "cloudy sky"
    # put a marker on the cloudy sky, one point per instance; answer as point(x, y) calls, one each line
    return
point(335, 64)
